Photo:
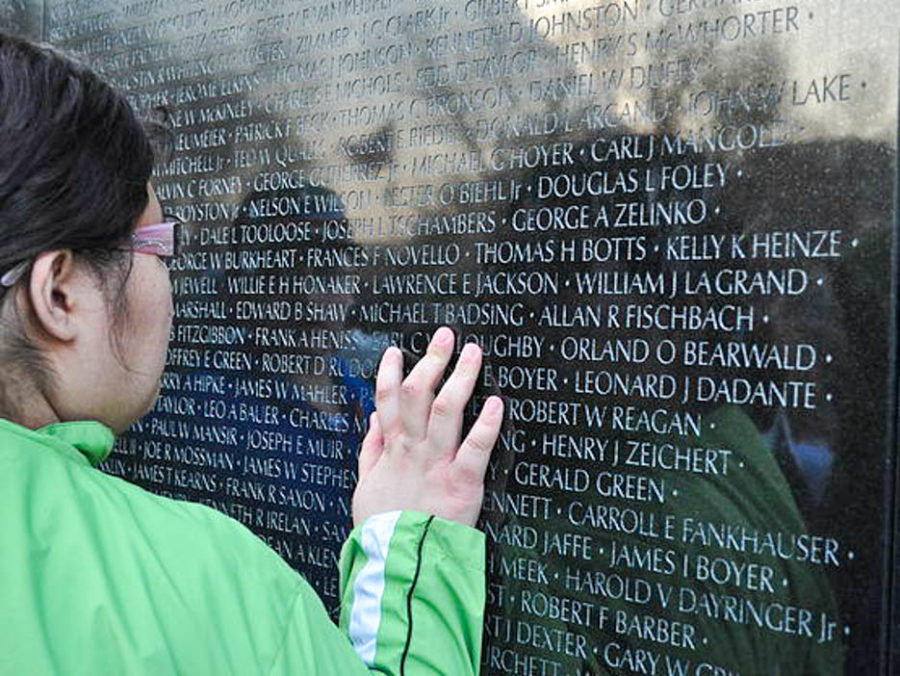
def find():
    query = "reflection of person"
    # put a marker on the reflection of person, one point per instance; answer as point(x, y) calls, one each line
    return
point(725, 575)
point(100, 576)
point(318, 410)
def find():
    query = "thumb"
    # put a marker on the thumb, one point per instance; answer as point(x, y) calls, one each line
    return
point(372, 446)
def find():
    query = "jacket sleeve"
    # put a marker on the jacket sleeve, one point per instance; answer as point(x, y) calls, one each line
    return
point(413, 594)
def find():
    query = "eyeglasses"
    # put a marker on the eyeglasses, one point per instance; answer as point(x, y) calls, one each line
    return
point(158, 239)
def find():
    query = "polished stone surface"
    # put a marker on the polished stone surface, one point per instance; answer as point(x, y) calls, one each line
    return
point(669, 223)
point(21, 18)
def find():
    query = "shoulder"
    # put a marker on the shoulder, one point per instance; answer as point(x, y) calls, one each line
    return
point(150, 572)
point(195, 536)
point(207, 574)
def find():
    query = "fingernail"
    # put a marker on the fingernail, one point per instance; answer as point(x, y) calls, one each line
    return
point(470, 351)
point(443, 336)
point(390, 354)
point(494, 405)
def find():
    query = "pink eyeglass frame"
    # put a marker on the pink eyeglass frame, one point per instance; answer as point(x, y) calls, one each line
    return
point(157, 239)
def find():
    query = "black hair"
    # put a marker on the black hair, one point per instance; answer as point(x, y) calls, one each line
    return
point(74, 158)
point(74, 165)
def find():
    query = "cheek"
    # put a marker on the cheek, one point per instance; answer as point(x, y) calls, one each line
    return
point(165, 310)
point(151, 307)
point(164, 300)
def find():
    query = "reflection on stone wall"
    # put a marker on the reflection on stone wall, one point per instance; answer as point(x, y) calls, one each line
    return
point(668, 224)
point(22, 18)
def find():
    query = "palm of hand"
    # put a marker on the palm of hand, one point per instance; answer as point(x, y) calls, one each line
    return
point(412, 457)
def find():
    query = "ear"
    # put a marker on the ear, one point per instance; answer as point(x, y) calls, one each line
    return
point(55, 292)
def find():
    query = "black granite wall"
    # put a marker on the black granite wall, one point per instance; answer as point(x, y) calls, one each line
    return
point(670, 223)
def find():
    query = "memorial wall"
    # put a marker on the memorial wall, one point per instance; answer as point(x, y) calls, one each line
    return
point(670, 224)
point(21, 17)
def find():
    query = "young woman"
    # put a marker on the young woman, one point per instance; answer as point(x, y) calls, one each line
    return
point(98, 576)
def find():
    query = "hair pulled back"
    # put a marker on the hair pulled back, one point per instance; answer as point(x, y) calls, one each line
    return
point(74, 166)
point(74, 158)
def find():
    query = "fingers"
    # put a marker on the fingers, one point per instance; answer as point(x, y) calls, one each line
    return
point(417, 391)
point(387, 392)
point(445, 422)
point(372, 446)
point(472, 458)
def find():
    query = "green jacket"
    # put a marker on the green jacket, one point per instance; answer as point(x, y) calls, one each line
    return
point(102, 577)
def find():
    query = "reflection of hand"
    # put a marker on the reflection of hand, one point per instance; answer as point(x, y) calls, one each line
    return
point(411, 457)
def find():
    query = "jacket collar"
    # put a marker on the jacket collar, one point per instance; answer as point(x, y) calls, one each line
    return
point(87, 441)
point(93, 439)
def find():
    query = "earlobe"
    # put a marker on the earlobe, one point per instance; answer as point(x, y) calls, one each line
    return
point(53, 294)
